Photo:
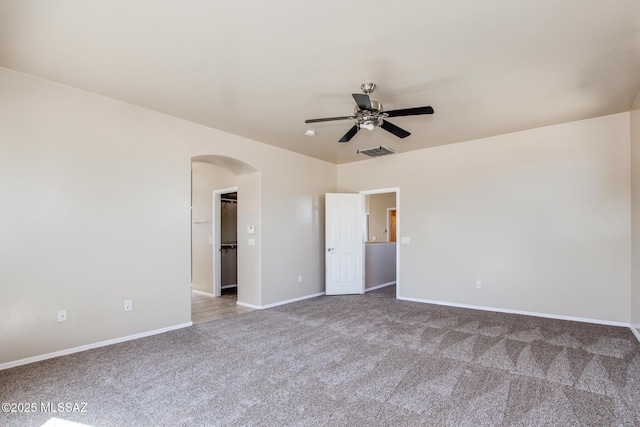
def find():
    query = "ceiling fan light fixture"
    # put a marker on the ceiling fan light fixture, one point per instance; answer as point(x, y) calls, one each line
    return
point(310, 132)
point(368, 125)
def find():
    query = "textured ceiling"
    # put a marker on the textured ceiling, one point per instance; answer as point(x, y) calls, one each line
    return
point(259, 69)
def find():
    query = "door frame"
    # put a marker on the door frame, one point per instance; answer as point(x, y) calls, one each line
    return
point(395, 190)
point(217, 231)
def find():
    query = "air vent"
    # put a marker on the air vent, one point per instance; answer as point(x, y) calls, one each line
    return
point(376, 151)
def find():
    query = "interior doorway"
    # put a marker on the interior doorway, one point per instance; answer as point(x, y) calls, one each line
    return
point(391, 224)
point(382, 249)
point(225, 242)
point(211, 173)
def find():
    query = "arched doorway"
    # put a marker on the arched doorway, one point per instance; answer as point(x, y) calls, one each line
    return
point(213, 175)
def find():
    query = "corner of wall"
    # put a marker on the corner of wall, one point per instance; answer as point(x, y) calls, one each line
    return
point(636, 103)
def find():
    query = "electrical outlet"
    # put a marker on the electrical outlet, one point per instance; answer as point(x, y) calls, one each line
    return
point(62, 315)
point(478, 284)
point(128, 305)
point(300, 278)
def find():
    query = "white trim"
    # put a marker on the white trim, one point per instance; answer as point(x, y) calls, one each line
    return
point(244, 304)
point(206, 294)
point(384, 285)
point(526, 313)
point(380, 190)
point(275, 304)
point(68, 351)
point(397, 242)
point(229, 286)
point(635, 331)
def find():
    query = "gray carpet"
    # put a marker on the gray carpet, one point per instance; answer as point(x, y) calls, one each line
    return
point(348, 361)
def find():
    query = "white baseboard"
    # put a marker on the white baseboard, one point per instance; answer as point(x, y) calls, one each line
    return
point(526, 313)
point(206, 294)
point(68, 351)
point(636, 331)
point(384, 285)
point(275, 304)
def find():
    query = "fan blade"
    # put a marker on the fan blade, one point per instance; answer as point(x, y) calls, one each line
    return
point(409, 112)
point(329, 119)
point(347, 136)
point(390, 127)
point(363, 101)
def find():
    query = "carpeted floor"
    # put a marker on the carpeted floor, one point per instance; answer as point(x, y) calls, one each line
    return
point(348, 361)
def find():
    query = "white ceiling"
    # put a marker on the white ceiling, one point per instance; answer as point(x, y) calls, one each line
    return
point(260, 68)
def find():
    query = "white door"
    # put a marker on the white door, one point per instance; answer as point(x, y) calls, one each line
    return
point(344, 243)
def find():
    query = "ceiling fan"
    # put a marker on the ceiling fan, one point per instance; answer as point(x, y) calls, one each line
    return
point(369, 114)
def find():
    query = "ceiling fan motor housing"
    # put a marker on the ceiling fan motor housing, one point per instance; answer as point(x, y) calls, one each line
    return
point(369, 119)
point(376, 107)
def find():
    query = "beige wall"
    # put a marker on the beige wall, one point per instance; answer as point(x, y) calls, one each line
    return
point(540, 217)
point(250, 273)
point(635, 215)
point(96, 197)
point(377, 205)
point(380, 264)
point(294, 210)
point(205, 179)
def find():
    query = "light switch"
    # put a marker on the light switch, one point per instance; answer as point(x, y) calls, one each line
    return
point(252, 242)
point(251, 229)
point(405, 240)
